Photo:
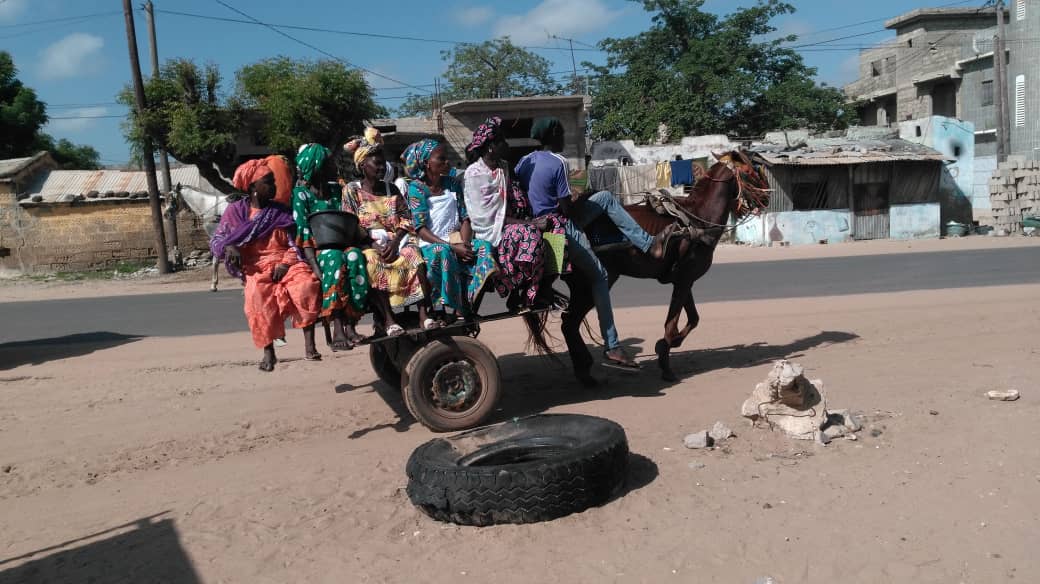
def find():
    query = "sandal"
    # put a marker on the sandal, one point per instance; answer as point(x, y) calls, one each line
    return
point(430, 324)
point(394, 330)
point(619, 360)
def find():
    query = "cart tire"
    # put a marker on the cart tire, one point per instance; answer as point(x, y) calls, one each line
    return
point(451, 384)
point(527, 470)
point(383, 364)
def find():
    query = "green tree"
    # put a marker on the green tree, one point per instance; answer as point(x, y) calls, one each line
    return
point(22, 116)
point(495, 68)
point(700, 74)
point(283, 103)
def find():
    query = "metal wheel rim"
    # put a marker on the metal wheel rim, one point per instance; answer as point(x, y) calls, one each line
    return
point(456, 387)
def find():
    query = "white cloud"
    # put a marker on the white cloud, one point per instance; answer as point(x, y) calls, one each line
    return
point(76, 55)
point(11, 9)
point(475, 15)
point(75, 120)
point(567, 18)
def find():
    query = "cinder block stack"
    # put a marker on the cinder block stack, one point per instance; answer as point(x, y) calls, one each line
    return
point(1014, 192)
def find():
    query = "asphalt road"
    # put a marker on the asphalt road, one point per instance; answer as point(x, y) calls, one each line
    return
point(200, 313)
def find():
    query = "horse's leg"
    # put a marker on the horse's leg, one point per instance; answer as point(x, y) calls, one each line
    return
point(692, 320)
point(680, 293)
point(579, 306)
point(213, 286)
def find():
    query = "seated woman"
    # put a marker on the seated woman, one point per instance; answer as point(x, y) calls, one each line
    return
point(396, 270)
point(499, 214)
point(255, 239)
point(344, 278)
point(458, 265)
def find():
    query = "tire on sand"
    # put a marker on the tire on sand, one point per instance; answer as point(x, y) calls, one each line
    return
point(451, 384)
point(526, 470)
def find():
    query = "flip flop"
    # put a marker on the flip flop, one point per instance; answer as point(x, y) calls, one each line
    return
point(430, 324)
point(314, 357)
point(621, 365)
point(394, 330)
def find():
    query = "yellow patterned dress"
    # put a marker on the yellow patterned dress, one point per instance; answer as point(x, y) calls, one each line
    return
point(382, 216)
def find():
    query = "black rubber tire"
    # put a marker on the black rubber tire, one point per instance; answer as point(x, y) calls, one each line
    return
point(383, 364)
point(469, 357)
point(526, 470)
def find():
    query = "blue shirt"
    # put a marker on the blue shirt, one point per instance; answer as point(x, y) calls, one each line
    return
point(543, 176)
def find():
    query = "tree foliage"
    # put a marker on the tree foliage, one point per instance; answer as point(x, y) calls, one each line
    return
point(23, 115)
point(703, 74)
point(282, 103)
point(492, 69)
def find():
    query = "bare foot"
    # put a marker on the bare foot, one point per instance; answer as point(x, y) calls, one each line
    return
point(269, 360)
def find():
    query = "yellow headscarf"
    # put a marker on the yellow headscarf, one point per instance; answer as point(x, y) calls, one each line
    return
point(364, 146)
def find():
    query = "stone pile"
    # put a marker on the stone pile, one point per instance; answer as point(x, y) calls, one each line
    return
point(1014, 192)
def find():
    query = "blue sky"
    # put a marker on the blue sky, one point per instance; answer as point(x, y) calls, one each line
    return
point(77, 66)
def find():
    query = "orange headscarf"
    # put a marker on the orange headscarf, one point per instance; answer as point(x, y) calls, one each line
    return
point(283, 179)
point(248, 173)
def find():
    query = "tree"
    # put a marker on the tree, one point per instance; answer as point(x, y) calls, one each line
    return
point(492, 69)
point(700, 74)
point(23, 115)
point(305, 101)
point(284, 102)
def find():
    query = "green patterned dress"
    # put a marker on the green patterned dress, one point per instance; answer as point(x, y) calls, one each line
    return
point(344, 279)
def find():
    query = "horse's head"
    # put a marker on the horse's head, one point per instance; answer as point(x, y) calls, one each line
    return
point(752, 189)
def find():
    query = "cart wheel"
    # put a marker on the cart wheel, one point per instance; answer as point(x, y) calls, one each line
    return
point(451, 383)
point(383, 364)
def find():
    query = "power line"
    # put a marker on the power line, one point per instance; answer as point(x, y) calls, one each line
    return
point(350, 32)
point(873, 20)
point(86, 117)
point(56, 20)
point(312, 47)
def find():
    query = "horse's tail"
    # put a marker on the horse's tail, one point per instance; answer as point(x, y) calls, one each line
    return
point(538, 336)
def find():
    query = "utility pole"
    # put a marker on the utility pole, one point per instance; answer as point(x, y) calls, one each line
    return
point(437, 115)
point(576, 85)
point(146, 142)
point(1000, 66)
point(164, 159)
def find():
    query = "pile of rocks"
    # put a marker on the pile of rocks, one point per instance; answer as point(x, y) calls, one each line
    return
point(1014, 193)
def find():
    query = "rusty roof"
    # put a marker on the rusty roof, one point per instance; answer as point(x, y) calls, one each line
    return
point(56, 183)
point(839, 151)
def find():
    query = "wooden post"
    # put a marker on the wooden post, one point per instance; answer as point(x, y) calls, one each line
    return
point(146, 142)
point(164, 160)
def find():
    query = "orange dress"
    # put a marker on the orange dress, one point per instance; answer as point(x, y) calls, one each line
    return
point(268, 303)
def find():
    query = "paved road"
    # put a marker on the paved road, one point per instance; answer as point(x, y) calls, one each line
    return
point(198, 313)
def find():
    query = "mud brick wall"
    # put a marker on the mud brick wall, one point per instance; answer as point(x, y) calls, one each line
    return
point(1014, 192)
point(62, 237)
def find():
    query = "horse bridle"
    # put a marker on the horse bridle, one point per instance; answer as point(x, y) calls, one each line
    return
point(758, 193)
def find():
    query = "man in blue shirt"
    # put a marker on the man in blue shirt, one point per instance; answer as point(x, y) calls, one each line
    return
point(543, 175)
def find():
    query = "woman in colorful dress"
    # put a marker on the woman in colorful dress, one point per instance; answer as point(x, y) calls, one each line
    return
point(255, 240)
point(343, 275)
point(500, 214)
point(396, 270)
point(457, 264)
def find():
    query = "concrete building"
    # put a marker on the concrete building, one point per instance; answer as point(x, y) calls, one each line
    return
point(941, 64)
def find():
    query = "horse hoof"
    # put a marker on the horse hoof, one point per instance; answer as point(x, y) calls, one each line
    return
point(669, 376)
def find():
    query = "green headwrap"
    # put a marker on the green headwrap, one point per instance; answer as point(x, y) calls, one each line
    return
point(310, 158)
point(544, 129)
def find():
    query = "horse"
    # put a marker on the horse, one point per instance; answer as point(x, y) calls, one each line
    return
point(732, 185)
point(209, 207)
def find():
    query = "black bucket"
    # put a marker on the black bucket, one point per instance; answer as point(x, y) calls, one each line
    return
point(334, 229)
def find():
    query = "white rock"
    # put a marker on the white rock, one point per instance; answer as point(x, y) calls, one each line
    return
point(697, 440)
point(1003, 394)
point(720, 432)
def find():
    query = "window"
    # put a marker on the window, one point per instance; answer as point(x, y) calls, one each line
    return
point(987, 93)
point(1020, 101)
point(1020, 9)
point(875, 68)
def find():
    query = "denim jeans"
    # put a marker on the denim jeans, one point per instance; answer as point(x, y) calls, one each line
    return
point(586, 262)
point(605, 202)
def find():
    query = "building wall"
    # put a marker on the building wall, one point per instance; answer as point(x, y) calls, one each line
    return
point(914, 221)
point(57, 237)
point(1024, 61)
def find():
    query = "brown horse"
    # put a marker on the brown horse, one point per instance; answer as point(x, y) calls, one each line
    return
point(732, 185)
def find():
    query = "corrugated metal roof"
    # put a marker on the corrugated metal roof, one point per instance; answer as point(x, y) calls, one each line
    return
point(80, 182)
point(838, 151)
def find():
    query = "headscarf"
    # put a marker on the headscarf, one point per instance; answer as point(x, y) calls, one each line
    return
point(545, 129)
point(248, 173)
point(237, 228)
point(283, 178)
point(486, 132)
point(309, 159)
point(416, 157)
point(364, 146)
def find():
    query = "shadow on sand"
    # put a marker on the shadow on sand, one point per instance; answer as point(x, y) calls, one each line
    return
point(146, 550)
point(534, 384)
point(40, 351)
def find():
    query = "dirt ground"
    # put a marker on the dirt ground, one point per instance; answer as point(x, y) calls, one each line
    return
point(174, 459)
